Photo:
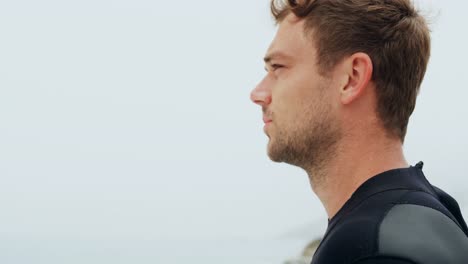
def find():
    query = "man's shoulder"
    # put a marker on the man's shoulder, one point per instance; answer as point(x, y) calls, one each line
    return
point(422, 234)
point(418, 227)
point(400, 224)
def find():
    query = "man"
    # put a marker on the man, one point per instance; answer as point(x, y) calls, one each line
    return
point(341, 83)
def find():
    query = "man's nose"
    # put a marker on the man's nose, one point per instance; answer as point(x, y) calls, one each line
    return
point(261, 95)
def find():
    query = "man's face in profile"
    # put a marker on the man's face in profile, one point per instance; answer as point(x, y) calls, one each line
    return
point(297, 101)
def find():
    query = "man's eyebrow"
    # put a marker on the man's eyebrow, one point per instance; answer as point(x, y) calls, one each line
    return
point(278, 54)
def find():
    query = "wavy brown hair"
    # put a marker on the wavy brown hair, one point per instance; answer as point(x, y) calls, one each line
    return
point(391, 32)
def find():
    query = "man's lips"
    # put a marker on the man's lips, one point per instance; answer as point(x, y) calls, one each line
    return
point(266, 120)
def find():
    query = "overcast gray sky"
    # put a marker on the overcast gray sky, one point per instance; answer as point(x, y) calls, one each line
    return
point(127, 123)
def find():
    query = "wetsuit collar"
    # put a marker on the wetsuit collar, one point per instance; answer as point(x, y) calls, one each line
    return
point(411, 178)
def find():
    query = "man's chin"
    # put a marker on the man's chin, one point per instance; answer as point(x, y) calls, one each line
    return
point(273, 153)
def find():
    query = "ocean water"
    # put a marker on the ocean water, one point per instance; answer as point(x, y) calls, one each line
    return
point(54, 251)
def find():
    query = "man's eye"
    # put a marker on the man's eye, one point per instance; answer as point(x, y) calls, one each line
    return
point(273, 67)
point(276, 66)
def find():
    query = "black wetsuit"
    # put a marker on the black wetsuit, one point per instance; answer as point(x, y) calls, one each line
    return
point(396, 217)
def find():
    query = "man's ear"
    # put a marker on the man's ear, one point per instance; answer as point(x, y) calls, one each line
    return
point(358, 69)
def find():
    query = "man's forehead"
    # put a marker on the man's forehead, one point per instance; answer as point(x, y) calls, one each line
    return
point(289, 41)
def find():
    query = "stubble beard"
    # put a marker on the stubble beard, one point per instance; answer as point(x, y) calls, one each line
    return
point(310, 144)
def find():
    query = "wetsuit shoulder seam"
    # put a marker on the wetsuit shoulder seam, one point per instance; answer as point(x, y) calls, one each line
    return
point(449, 216)
point(382, 217)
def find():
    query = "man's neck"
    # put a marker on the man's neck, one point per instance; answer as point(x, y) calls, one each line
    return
point(354, 163)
